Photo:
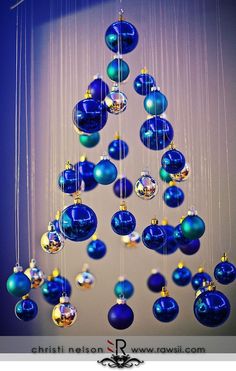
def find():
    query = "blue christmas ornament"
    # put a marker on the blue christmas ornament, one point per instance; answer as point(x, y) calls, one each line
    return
point(121, 36)
point(181, 275)
point(18, 284)
point(165, 177)
point(120, 316)
point(118, 70)
point(78, 222)
point(156, 133)
point(193, 226)
point(173, 196)
point(179, 237)
point(144, 83)
point(123, 188)
point(173, 161)
point(155, 103)
point(191, 247)
point(53, 288)
point(199, 278)
point(123, 288)
point(123, 222)
point(156, 281)
point(26, 309)
point(154, 236)
point(96, 248)
point(89, 140)
point(225, 272)
point(98, 88)
point(118, 149)
point(171, 244)
point(165, 309)
point(85, 170)
point(89, 115)
point(211, 307)
point(55, 222)
point(105, 172)
point(68, 180)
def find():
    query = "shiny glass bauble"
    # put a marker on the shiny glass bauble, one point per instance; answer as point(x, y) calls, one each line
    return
point(18, 284)
point(182, 275)
point(183, 175)
point(26, 309)
point(131, 240)
point(123, 222)
point(165, 309)
point(164, 175)
point(90, 115)
point(179, 237)
point(116, 102)
point(225, 272)
point(64, 314)
point(156, 133)
point(118, 149)
point(171, 244)
point(191, 247)
point(199, 278)
point(124, 289)
point(154, 236)
point(98, 88)
point(85, 170)
point(105, 172)
point(156, 281)
point(193, 227)
point(89, 140)
point(121, 37)
point(143, 83)
point(52, 242)
point(146, 186)
point(53, 288)
point(118, 70)
point(123, 188)
point(120, 315)
point(173, 161)
point(155, 103)
point(35, 274)
point(68, 181)
point(173, 196)
point(96, 249)
point(85, 280)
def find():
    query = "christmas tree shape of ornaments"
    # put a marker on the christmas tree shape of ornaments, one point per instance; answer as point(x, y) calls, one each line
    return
point(78, 222)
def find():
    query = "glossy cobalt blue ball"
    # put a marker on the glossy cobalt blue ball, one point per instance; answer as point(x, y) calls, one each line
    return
point(78, 222)
point(98, 89)
point(173, 161)
point(56, 225)
point(96, 249)
point(156, 281)
point(85, 170)
point(165, 309)
point(191, 248)
point(53, 289)
point(154, 237)
point(69, 181)
point(118, 149)
point(199, 278)
point(182, 276)
point(105, 172)
point(26, 310)
point(225, 272)
point(90, 115)
point(173, 196)
point(211, 308)
point(124, 288)
point(179, 237)
point(171, 244)
point(156, 133)
point(123, 222)
point(18, 284)
point(143, 83)
point(120, 316)
point(122, 37)
point(155, 103)
point(123, 188)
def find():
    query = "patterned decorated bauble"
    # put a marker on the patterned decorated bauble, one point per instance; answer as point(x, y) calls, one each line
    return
point(211, 307)
point(199, 278)
point(118, 149)
point(121, 36)
point(156, 281)
point(85, 170)
point(193, 226)
point(52, 242)
point(118, 69)
point(54, 286)
point(131, 240)
point(89, 140)
point(96, 249)
point(116, 101)
point(190, 248)
point(78, 222)
point(26, 309)
point(89, 115)
point(156, 133)
point(225, 272)
point(183, 175)
point(98, 88)
point(165, 177)
point(68, 180)
point(165, 309)
point(85, 280)
point(123, 188)
point(120, 316)
point(64, 314)
point(171, 244)
point(123, 221)
point(181, 275)
point(154, 236)
point(155, 102)
point(35, 274)
point(18, 284)
point(105, 172)
point(146, 186)
point(173, 196)
point(173, 161)
point(123, 288)
point(144, 82)
point(178, 235)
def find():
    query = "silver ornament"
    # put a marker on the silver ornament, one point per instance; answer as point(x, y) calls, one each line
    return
point(116, 101)
point(146, 187)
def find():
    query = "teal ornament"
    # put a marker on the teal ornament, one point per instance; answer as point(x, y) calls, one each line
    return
point(18, 284)
point(89, 140)
point(105, 172)
point(155, 102)
point(164, 175)
point(123, 288)
point(118, 70)
point(193, 226)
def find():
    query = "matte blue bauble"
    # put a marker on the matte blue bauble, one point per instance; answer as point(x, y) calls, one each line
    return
point(26, 310)
point(98, 89)
point(173, 196)
point(96, 249)
point(118, 70)
point(193, 227)
point(181, 275)
point(89, 140)
point(211, 308)
point(171, 244)
point(156, 281)
point(165, 309)
point(179, 237)
point(123, 188)
point(156, 133)
point(85, 170)
point(53, 289)
point(78, 222)
point(118, 149)
point(144, 83)
point(225, 272)
point(105, 172)
point(121, 37)
point(18, 284)
point(90, 115)
point(173, 161)
point(69, 181)
point(191, 248)
point(199, 278)
point(124, 289)
point(123, 222)
point(120, 316)
point(155, 103)
point(154, 237)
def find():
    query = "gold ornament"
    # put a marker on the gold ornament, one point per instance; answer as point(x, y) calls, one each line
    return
point(85, 280)
point(131, 240)
point(51, 241)
point(35, 274)
point(146, 187)
point(64, 314)
point(183, 175)
point(116, 101)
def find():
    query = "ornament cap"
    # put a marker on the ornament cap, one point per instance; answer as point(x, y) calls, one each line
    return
point(115, 87)
point(224, 258)
point(144, 172)
point(94, 237)
point(121, 300)
point(211, 286)
point(25, 297)
point(83, 158)
point(97, 76)
point(154, 221)
point(123, 206)
point(172, 183)
point(181, 264)
point(182, 219)
point(58, 214)
point(172, 146)
point(121, 15)
point(85, 267)
point(18, 268)
point(121, 278)
point(192, 211)
point(77, 199)
point(154, 271)
point(56, 272)
point(68, 165)
point(144, 71)
point(117, 135)
point(200, 270)
point(164, 221)
point(50, 278)
point(154, 88)
point(118, 56)
point(64, 299)
point(32, 263)
point(77, 130)
point(88, 94)
point(164, 292)
point(104, 157)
